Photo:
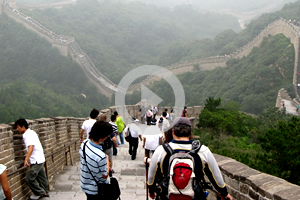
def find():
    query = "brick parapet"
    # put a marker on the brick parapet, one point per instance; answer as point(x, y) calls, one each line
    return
point(56, 136)
point(246, 183)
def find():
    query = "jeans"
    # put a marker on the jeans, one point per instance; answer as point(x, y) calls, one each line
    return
point(121, 135)
point(149, 120)
point(36, 179)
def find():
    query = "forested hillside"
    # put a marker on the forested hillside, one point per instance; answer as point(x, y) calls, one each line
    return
point(121, 36)
point(36, 81)
point(228, 41)
point(253, 81)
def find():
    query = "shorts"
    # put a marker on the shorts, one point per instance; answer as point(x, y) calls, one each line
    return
point(109, 152)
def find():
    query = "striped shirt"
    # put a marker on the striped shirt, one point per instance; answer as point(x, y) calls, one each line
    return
point(96, 161)
point(115, 127)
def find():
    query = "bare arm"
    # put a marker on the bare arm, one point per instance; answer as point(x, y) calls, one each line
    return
point(30, 150)
point(141, 138)
point(5, 185)
point(107, 161)
point(114, 139)
point(81, 135)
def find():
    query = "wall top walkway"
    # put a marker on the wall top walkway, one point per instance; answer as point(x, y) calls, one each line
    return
point(243, 182)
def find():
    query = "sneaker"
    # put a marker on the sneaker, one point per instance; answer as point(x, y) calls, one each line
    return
point(35, 197)
point(44, 195)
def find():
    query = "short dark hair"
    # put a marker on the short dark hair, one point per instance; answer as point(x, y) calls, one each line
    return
point(182, 131)
point(21, 122)
point(116, 113)
point(103, 117)
point(164, 114)
point(113, 118)
point(100, 129)
point(94, 113)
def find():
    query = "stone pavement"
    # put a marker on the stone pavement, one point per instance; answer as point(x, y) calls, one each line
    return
point(131, 175)
point(290, 108)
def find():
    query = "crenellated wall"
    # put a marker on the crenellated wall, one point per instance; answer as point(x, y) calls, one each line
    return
point(60, 139)
point(67, 46)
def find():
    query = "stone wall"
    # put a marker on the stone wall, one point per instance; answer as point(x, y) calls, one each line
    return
point(68, 47)
point(245, 183)
point(60, 139)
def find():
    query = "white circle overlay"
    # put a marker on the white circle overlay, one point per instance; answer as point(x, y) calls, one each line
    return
point(149, 70)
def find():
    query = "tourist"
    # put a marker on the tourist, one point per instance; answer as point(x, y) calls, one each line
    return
point(121, 125)
point(94, 160)
point(181, 131)
point(88, 124)
point(35, 159)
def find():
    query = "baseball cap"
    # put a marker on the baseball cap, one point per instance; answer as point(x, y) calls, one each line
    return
point(181, 122)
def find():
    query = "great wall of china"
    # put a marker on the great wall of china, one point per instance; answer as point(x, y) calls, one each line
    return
point(67, 46)
point(60, 135)
point(60, 139)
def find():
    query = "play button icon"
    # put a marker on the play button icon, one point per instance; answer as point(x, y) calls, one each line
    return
point(149, 70)
point(150, 96)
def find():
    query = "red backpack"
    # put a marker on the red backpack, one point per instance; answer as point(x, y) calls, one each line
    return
point(181, 174)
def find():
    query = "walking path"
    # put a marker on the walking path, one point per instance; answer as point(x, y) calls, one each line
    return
point(130, 173)
point(290, 108)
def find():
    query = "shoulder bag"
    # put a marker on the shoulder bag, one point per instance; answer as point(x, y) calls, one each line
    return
point(128, 136)
point(105, 191)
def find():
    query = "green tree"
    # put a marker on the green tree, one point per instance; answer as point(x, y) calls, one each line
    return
point(212, 104)
point(283, 146)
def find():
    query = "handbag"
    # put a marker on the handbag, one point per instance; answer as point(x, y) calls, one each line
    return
point(128, 136)
point(105, 191)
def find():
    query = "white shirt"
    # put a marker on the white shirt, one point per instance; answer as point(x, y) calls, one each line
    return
point(154, 110)
point(87, 126)
point(134, 130)
point(31, 138)
point(152, 135)
point(165, 124)
point(2, 169)
point(149, 113)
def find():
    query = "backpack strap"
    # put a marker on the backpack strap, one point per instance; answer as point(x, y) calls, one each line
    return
point(168, 149)
point(170, 152)
point(84, 156)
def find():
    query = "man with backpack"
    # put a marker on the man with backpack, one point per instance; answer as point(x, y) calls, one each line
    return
point(176, 168)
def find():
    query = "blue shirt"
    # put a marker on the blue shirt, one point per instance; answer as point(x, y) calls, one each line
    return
point(96, 161)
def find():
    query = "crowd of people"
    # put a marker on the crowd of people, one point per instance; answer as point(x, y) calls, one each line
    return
point(163, 129)
point(103, 136)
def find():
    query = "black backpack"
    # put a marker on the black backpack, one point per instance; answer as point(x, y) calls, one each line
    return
point(107, 144)
point(199, 184)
